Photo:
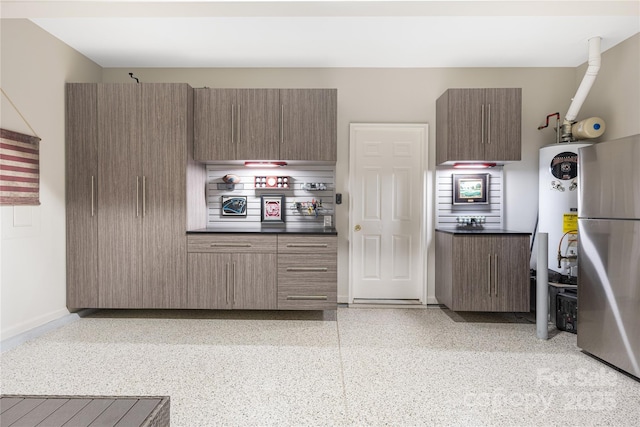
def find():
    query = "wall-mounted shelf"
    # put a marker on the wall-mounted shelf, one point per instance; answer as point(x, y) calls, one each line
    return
point(313, 186)
point(229, 187)
point(272, 182)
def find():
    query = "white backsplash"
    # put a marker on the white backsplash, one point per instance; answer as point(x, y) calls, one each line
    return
point(447, 213)
point(298, 176)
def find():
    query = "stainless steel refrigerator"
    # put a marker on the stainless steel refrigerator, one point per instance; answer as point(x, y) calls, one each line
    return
point(609, 252)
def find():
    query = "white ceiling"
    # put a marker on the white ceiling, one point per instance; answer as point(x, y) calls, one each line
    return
point(237, 33)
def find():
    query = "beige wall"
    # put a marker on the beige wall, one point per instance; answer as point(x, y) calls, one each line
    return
point(615, 95)
point(34, 67)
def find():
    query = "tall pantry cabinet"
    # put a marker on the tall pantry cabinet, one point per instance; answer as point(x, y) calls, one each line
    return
point(127, 152)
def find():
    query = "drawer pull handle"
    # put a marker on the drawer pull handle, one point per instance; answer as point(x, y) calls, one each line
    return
point(307, 245)
point(231, 245)
point(307, 297)
point(323, 269)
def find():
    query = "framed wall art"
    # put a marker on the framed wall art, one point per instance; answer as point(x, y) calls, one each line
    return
point(20, 169)
point(272, 208)
point(471, 189)
point(234, 206)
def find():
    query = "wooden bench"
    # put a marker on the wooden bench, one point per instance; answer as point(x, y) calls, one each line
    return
point(84, 411)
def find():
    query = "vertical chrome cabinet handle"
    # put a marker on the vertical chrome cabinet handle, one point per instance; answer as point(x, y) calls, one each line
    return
point(226, 287)
point(92, 195)
point(234, 284)
point(489, 274)
point(495, 273)
point(233, 108)
point(137, 196)
point(144, 196)
point(239, 127)
point(281, 123)
point(482, 126)
point(489, 125)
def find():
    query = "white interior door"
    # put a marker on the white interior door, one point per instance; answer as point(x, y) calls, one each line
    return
point(387, 211)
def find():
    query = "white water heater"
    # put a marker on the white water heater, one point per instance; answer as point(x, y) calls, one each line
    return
point(558, 203)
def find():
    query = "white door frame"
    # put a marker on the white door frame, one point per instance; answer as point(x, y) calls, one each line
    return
point(426, 196)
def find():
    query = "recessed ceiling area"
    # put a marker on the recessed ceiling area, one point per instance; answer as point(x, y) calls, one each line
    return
point(333, 34)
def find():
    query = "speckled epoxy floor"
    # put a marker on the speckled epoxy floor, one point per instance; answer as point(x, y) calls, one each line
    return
point(356, 367)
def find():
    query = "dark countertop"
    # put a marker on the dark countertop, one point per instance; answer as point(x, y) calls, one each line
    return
point(452, 230)
point(268, 229)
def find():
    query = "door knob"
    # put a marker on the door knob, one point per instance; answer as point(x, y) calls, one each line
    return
point(357, 227)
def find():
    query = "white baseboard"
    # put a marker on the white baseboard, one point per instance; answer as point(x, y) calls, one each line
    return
point(344, 299)
point(37, 331)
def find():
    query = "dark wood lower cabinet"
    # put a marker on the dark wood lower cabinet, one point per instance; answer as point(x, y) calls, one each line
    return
point(227, 271)
point(307, 272)
point(232, 281)
point(262, 272)
point(483, 272)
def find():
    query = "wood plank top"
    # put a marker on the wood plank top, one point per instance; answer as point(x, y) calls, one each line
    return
point(80, 411)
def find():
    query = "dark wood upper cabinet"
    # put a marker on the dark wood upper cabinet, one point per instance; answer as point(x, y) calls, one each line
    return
point(258, 130)
point(265, 124)
point(236, 124)
point(213, 130)
point(479, 125)
point(309, 124)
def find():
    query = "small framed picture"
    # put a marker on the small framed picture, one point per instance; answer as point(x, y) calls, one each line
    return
point(273, 208)
point(469, 189)
point(234, 206)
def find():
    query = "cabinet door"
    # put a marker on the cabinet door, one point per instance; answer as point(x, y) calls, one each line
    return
point(465, 124)
point(214, 124)
point(254, 281)
point(511, 273)
point(258, 118)
point(444, 268)
point(472, 257)
point(163, 199)
point(309, 124)
point(81, 204)
point(119, 188)
point(503, 109)
point(208, 281)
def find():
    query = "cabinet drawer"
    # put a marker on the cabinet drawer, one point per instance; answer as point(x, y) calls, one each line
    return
point(302, 299)
point(231, 243)
point(307, 282)
point(307, 267)
point(307, 244)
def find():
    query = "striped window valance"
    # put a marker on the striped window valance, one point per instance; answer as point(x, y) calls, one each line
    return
point(19, 168)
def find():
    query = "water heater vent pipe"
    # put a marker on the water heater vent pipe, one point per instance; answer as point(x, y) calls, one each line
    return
point(587, 81)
